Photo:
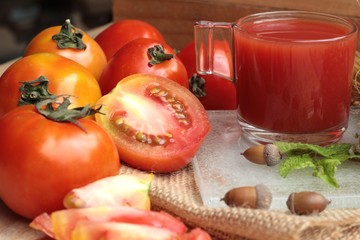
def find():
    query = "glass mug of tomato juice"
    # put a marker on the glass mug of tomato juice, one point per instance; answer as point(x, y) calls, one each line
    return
point(292, 71)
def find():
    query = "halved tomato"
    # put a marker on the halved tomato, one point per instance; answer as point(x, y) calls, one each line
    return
point(157, 124)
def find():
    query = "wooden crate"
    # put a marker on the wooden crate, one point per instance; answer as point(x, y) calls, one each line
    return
point(175, 18)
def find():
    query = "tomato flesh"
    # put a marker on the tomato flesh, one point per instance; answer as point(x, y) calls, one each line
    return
point(65, 221)
point(157, 124)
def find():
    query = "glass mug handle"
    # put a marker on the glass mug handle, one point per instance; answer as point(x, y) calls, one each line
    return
point(205, 34)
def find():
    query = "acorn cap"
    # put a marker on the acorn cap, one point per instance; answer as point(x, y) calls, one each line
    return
point(268, 154)
point(272, 155)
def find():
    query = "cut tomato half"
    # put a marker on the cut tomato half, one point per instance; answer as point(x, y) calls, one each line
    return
point(157, 124)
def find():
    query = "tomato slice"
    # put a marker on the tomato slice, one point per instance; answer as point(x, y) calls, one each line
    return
point(114, 223)
point(61, 223)
point(156, 124)
point(123, 189)
point(120, 231)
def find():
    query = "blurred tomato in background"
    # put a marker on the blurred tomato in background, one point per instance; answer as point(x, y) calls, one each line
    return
point(21, 20)
point(214, 92)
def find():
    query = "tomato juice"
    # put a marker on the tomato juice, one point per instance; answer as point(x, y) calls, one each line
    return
point(294, 75)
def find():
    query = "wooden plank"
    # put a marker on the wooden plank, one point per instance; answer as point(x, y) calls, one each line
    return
point(178, 16)
point(339, 7)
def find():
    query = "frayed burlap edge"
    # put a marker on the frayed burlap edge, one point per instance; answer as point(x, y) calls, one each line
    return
point(355, 101)
point(177, 194)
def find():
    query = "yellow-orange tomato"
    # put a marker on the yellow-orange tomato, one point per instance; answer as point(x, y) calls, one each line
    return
point(65, 77)
point(92, 57)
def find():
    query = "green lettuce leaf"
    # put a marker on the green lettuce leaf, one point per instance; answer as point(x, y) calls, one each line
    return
point(322, 160)
point(292, 163)
point(326, 169)
point(328, 151)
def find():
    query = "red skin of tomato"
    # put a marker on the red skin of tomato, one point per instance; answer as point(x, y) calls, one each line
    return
point(116, 35)
point(65, 77)
point(132, 58)
point(220, 92)
point(132, 103)
point(93, 57)
point(42, 160)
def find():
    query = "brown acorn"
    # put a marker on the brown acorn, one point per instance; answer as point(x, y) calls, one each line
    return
point(268, 154)
point(305, 203)
point(258, 197)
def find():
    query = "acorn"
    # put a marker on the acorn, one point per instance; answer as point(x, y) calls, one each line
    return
point(256, 197)
point(268, 154)
point(305, 203)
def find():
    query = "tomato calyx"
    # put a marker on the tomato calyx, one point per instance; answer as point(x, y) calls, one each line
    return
point(34, 91)
point(69, 37)
point(157, 55)
point(196, 85)
point(62, 113)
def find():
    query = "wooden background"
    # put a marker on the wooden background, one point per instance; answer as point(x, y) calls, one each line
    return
point(175, 18)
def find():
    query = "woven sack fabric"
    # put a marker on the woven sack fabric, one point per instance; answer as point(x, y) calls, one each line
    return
point(177, 194)
point(356, 81)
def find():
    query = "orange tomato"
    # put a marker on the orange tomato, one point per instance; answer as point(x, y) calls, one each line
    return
point(92, 57)
point(65, 77)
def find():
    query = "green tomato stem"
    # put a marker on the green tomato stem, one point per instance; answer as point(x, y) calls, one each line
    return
point(69, 37)
point(157, 55)
point(34, 91)
point(197, 85)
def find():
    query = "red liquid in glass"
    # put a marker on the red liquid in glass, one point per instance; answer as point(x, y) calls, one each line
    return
point(291, 86)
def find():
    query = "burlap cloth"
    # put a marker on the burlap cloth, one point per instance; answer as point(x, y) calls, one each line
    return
point(178, 194)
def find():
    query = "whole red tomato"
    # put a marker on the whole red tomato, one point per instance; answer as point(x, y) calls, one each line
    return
point(42, 160)
point(157, 124)
point(143, 55)
point(90, 54)
point(65, 77)
point(116, 35)
point(214, 92)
